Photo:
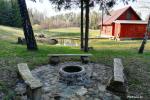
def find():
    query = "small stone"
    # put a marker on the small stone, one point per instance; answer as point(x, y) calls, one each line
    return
point(90, 98)
point(95, 74)
point(74, 98)
point(20, 88)
point(91, 89)
point(45, 97)
point(54, 81)
point(101, 94)
point(116, 97)
point(107, 96)
point(67, 92)
point(1, 95)
point(96, 99)
point(46, 89)
point(87, 96)
point(82, 98)
point(82, 91)
point(24, 97)
point(54, 95)
point(101, 87)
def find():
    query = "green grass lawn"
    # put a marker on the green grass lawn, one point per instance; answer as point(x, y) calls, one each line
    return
point(67, 32)
point(136, 65)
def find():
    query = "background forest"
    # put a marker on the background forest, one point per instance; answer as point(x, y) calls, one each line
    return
point(9, 13)
point(70, 19)
point(10, 16)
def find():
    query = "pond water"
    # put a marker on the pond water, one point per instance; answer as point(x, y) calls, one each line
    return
point(69, 42)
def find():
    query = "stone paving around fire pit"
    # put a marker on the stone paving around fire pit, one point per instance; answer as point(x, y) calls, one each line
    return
point(53, 89)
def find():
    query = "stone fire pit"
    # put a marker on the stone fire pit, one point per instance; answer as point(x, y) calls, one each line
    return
point(75, 81)
point(73, 75)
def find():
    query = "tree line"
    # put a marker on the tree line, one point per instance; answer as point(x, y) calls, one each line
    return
point(9, 13)
point(70, 19)
point(10, 16)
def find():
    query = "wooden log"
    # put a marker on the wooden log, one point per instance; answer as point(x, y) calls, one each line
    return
point(33, 84)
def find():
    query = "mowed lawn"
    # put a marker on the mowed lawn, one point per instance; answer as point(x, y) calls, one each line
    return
point(67, 32)
point(137, 66)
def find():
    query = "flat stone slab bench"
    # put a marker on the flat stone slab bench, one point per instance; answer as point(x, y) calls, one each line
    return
point(118, 82)
point(33, 85)
point(55, 58)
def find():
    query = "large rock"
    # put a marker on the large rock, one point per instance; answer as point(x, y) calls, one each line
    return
point(52, 41)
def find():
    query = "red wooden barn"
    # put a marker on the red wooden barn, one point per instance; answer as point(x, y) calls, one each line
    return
point(123, 23)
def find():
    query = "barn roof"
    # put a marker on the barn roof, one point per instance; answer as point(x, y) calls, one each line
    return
point(109, 19)
point(131, 22)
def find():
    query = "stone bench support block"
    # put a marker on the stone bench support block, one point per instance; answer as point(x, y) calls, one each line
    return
point(55, 58)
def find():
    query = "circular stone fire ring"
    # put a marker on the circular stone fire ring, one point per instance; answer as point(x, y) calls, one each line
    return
point(72, 74)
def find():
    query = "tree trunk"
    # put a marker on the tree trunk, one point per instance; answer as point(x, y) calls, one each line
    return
point(86, 26)
point(82, 34)
point(141, 49)
point(102, 17)
point(27, 28)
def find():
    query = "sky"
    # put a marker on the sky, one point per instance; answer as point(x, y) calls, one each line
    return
point(46, 8)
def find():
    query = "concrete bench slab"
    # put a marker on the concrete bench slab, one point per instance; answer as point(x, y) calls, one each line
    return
point(34, 85)
point(118, 82)
point(69, 55)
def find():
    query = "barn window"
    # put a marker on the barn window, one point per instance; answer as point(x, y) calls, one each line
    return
point(128, 17)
